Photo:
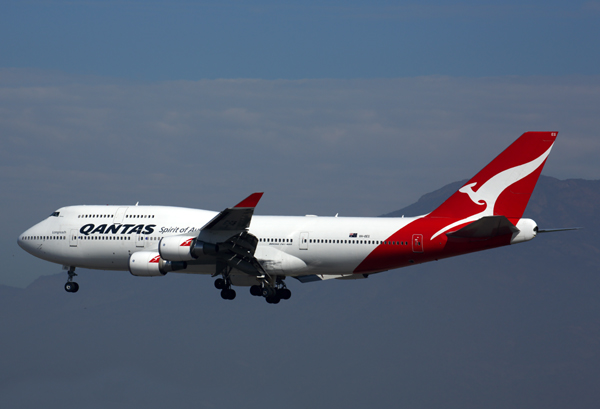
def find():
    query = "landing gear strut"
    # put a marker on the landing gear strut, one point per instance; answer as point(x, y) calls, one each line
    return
point(71, 286)
point(224, 284)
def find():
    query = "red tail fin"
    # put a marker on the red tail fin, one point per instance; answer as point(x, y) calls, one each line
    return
point(505, 185)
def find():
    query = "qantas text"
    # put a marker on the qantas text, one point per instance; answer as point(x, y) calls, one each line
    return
point(117, 228)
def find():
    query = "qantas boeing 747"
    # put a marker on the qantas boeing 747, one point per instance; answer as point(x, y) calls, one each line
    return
point(262, 251)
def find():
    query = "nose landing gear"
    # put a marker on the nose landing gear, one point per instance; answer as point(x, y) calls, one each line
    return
point(71, 286)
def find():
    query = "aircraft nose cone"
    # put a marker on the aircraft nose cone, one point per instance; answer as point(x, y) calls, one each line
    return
point(23, 242)
point(20, 240)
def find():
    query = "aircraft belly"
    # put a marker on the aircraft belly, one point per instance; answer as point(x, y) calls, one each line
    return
point(198, 269)
point(276, 261)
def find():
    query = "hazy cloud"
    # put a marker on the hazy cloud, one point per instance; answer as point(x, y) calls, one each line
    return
point(357, 147)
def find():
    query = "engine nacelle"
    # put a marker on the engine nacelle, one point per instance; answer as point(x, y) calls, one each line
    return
point(176, 248)
point(150, 264)
point(527, 231)
point(185, 248)
point(201, 249)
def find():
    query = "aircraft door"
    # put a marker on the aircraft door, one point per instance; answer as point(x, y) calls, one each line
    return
point(139, 241)
point(417, 243)
point(118, 219)
point(73, 238)
point(304, 240)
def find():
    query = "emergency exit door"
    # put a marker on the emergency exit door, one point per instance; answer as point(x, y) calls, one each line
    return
point(417, 243)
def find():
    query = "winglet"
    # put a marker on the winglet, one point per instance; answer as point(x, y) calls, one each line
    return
point(250, 201)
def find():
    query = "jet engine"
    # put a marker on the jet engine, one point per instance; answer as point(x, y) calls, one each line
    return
point(176, 248)
point(185, 248)
point(150, 264)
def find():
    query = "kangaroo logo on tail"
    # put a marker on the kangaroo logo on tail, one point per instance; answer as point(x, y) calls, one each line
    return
point(488, 193)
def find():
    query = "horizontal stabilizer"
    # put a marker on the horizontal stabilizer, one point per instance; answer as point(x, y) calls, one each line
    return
point(485, 228)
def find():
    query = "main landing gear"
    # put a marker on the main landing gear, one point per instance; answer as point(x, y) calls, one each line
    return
point(272, 291)
point(272, 288)
point(71, 286)
point(227, 293)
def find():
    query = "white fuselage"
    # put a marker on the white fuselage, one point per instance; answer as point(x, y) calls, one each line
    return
point(104, 237)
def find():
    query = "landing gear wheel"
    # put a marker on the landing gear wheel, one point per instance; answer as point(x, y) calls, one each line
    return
point(71, 287)
point(227, 294)
point(219, 284)
point(256, 290)
point(267, 292)
point(284, 293)
point(273, 299)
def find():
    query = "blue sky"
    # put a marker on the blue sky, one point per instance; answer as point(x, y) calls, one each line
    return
point(159, 40)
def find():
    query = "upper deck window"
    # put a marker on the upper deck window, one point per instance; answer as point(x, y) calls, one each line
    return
point(55, 214)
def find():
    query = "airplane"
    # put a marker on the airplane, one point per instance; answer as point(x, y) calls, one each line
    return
point(260, 252)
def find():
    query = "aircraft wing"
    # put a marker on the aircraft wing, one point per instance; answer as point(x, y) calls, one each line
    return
point(234, 246)
point(236, 218)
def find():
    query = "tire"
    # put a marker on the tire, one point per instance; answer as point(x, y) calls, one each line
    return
point(267, 292)
point(219, 284)
point(228, 294)
point(75, 288)
point(69, 287)
point(284, 294)
point(231, 294)
point(256, 290)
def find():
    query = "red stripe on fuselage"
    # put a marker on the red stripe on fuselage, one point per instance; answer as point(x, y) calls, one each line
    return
point(390, 256)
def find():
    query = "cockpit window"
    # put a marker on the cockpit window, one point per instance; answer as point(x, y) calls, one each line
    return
point(55, 214)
